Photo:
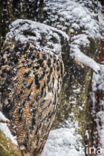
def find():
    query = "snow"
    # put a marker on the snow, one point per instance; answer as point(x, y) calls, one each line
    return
point(87, 61)
point(4, 128)
point(63, 142)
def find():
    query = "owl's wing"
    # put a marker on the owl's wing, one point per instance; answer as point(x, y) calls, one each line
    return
point(31, 93)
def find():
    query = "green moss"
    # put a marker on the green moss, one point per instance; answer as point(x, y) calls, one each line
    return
point(3, 152)
point(81, 110)
point(7, 148)
point(62, 113)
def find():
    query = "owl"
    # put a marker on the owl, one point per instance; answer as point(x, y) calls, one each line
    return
point(31, 74)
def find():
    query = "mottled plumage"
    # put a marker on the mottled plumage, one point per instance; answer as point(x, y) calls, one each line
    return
point(30, 83)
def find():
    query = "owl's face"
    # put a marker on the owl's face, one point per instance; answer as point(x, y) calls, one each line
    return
point(45, 38)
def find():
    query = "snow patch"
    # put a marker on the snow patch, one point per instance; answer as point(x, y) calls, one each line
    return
point(87, 61)
point(63, 142)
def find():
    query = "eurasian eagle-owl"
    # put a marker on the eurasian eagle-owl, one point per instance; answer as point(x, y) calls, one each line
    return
point(31, 73)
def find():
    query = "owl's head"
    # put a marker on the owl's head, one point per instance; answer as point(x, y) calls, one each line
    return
point(45, 38)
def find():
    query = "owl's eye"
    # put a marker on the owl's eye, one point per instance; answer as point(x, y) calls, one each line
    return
point(28, 33)
point(53, 39)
